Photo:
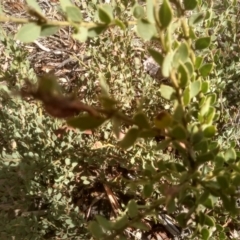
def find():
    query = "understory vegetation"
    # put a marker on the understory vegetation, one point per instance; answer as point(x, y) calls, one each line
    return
point(119, 120)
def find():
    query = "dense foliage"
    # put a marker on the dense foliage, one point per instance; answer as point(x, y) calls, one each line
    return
point(106, 155)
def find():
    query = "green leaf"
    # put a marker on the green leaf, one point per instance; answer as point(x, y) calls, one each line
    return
point(178, 132)
point(120, 222)
point(209, 116)
point(105, 13)
point(116, 124)
point(202, 43)
point(73, 13)
point(132, 209)
point(205, 107)
point(150, 11)
point(183, 76)
point(65, 4)
point(167, 92)
point(107, 102)
point(201, 146)
point(96, 31)
point(130, 138)
point(205, 86)
point(205, 234)
point(209, 131)
point(147, 133)
point(157, 56)
point(140, 225)
point(206, 69)
point(163, 144)
point(182, 219)
point(48, 85)
point(171, 206)
point(167, 64)
point(48, 30)
point(236, 180)
point(195, 88)
point(33, 4)
point(145, 29)
point(198, 62)
point(141, 120)
point(85, 122)
point(120, 24)
point(186, 96)
point(147, 190)
point(230, 154)
point(223, 182)
point(107, 225)
point(103, 84)
point(95, 229)
point(178, 113)
point(165, 14)
point(138, 11)
point(81, 35)
point(205, 157)
point(213, 98)
point(181, 54)
point(203, 197)
point(189, 4)
point(1, 11)
point(189, 67)
point(29, 32)
point(229, 203)
point(195, 19)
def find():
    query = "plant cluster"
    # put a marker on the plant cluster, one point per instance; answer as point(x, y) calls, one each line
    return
point(160, 145)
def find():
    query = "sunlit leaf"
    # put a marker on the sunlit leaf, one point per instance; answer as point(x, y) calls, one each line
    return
point(196, 18)
point(195, 88)
point(181, 54)
point(145, 29)
point(138, 11)
point(74, 13)
point(150, 11)
point(48, 30)
point(29, 32)
point(33, 4)
point(81, 35)
point(186, 96)
point(65, 4)
point(209, 131)
point(167, 64)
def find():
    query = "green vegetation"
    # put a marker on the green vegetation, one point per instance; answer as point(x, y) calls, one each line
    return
point(103, 149)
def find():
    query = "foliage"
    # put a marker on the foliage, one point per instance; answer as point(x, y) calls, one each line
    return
point(177, 141)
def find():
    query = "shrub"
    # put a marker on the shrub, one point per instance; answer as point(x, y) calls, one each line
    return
point(155, 145)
